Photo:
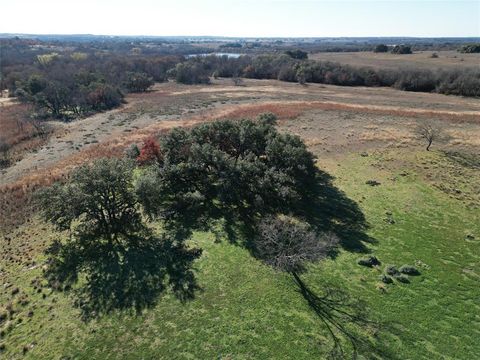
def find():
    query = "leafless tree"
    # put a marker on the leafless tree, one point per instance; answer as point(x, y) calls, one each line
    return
point(429, 132)
point(286, 243)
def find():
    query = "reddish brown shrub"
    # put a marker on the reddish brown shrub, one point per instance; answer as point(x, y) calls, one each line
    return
point(150, 151)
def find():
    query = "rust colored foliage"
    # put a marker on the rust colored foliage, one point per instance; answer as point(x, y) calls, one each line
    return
point(150, 151)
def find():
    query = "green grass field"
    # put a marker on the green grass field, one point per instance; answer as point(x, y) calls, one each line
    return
point(245, 310)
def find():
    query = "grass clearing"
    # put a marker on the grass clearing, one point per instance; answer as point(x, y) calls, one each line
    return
point(419, 59)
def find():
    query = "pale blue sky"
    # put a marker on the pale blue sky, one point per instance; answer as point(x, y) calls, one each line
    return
point(243, 17)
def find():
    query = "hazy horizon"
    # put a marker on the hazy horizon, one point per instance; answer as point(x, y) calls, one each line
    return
point(244, 18)
point(239, 37)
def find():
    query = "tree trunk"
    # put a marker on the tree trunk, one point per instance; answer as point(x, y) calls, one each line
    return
point(429, 144)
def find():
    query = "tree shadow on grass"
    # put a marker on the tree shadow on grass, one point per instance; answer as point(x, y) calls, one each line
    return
point(104, 277)
point(465, 159)
point(347, 323)
point(325, 207)
point(353, 334)
point(328, 209)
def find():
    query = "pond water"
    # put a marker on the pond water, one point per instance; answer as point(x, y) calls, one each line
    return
point(230, 55)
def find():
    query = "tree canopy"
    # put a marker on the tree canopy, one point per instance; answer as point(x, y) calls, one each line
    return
point(297, 54)
point(233, 169)
point(242, 178)
point(98, 199)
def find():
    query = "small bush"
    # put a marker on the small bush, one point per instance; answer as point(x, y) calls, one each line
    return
point(4, 147)
point(386, 279)
point(237, 81)
point(401, 49)
point(372, 182)
point(409, 270)
point(402, 278)
point(150, 152)
point(381, 48)
point(368, 261)
point(286, 243)
point(3, 316)
point(391, 270)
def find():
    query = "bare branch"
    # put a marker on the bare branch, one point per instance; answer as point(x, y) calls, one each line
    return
point(286, 243)
point(429, 131)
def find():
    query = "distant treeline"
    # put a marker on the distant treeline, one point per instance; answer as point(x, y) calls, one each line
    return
point(465, 82)
point(65, 82)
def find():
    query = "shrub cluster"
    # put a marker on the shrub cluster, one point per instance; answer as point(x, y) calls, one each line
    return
point(401, 49)
point(70, 84)
point(470, 48)
point(381, 48)
point(369, 261)
point(297, 54)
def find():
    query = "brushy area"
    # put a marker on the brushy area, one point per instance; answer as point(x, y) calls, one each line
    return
point(246, 310)
point(19, 132)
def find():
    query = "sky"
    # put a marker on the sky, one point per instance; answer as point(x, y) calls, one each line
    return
point(243, 18)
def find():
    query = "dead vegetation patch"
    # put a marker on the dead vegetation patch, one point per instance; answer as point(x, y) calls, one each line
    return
point(292, 109)
point(20, 132)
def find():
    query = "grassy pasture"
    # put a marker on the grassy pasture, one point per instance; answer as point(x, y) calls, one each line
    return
point(418, 60)
point(245, 310)
point(425, 212)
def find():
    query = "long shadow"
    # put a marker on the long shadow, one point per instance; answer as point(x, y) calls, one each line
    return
point(104, 277)
point(465, 159)
point(347, 322)
point(328, 209)
point(325, 207)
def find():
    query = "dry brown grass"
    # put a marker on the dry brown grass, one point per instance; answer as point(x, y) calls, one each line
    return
point(388, 134)
point(418, 60)
point(292, 109)
point(14, 125)
point(18, 131)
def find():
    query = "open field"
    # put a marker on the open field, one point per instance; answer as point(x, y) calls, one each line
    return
point(424, 212)
point(170, 105)
point(418, 60)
